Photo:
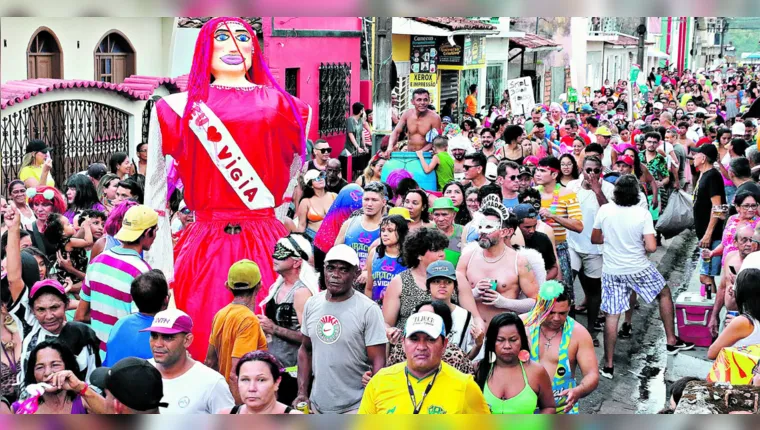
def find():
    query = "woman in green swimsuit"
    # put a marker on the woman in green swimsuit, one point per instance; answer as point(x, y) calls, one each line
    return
point(502, 370)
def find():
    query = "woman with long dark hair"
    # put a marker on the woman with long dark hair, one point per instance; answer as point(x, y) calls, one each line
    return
point(743, 330)
point(417, 203)
point(81, 195)
point(120, 165)
point(314, 204)
point(17, 198)
point(568, 169)
point(383, 260)
point(456, 192)
point(506, 362)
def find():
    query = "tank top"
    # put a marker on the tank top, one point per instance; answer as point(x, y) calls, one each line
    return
point(445, 170)
point(360, 239)
point(754, 337)
point(236, 410)
point(284, 315)
point(523, 403)
point(383, 270)
point(412, 296)
point(563, 376)
point(454, 250)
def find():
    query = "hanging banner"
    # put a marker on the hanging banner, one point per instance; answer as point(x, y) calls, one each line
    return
point(521, 99)
point(428, 81)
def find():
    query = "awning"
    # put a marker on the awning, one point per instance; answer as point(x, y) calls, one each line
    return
point(534, 43)
point(656, 53)
point(441, 27)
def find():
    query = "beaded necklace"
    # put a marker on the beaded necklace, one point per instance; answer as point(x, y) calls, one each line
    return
point(555, 197)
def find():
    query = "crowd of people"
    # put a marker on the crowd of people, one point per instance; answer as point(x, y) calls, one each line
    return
point(392, 298)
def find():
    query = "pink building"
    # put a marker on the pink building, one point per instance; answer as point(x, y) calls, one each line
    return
point(318, 60)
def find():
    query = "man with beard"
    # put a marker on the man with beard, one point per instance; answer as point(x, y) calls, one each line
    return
point(360, 232)
point(525, 180)
point(561, 357)
point(539, 136)
point(344, 337)
point(487, 139)
point(731, 265)
point(458, 147)
point(419, 122)
point(334, 181)
point(501, 280)
point(535, 117)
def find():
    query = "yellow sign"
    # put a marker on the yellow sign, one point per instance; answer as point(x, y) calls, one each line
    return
point(428, 81)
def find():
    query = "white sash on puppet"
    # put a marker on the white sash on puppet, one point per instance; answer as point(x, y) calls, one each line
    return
point(226, 154)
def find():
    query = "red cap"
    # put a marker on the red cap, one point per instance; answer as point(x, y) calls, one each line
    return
point(627, 159)
point(703, 140)
point(46, 284)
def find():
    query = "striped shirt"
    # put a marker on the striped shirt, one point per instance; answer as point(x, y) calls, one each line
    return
point(107, 287)
point(567, 207)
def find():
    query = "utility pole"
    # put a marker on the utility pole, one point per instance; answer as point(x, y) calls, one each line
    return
point(723, 30)
point(642, 32)
point(383, 47)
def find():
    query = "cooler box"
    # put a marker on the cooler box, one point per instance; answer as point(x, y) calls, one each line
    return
point(409, 162)
point(693, 313)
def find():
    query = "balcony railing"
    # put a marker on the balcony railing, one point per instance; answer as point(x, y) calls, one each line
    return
point(603, 26)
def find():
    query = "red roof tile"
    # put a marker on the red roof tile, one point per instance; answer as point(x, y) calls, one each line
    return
point(532, 41)
point(454, 23)
point(135, 87)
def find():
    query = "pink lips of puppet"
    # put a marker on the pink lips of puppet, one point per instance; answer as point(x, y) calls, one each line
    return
point(232, 60)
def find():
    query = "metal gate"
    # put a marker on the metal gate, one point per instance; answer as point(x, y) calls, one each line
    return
point(334, 97)
point(80, 133)
point(494, 84)
point(450, 90)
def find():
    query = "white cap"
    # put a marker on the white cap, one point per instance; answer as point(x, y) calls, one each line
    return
point(738, 128)
point(424, 322)
point(658, 105)
point(182, 205)
point(491, 170)
point(342, 253)
point(751, 262)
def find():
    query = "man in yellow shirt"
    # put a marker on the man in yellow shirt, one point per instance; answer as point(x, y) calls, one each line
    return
point(423, 384)
point(471, 101)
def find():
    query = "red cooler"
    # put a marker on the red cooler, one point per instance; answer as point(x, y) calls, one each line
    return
point(693, 313)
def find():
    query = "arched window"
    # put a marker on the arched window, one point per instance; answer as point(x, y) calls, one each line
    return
point(44, 56)
point(114, 58)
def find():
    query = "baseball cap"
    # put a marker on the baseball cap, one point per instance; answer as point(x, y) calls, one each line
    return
point(525, 170)
point(137, 219)
point(443, 203)
point(97, 170)
point(620, 107)
point(523, 211)
point(658, 105)
point(424, 322)
point(46, 286)
point(703, 141)
point(171, 321)
point(37, 145)
point(446, 119)
point(243, 275)
point(738, 128)
point(441, 269)
point(343, 253)
point(627, 159)
point(708, 150)
point(312, 175)
point(402, 212)
point(587, 109)
point(603, 131)
point(133, 381)
point(491, 171)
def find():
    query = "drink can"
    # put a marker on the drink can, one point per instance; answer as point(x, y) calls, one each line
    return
point(733, 313)
point(303, 407)
point(706, 259)
point(494, 284)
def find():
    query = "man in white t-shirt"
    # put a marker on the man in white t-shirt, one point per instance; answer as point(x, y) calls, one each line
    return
point(627, 233)
point(189, 386)
point(585, 257)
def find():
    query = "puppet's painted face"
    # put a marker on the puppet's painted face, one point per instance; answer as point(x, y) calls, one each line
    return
point(226, 57)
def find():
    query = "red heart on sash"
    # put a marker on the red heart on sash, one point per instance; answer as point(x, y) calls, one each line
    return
point(213, 135)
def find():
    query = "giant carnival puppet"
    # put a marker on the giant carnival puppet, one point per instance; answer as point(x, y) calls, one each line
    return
point(236, 139)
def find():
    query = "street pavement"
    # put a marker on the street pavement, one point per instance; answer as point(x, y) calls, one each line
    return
point(643, 369)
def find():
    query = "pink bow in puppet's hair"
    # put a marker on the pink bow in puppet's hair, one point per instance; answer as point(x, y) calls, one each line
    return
point(30, 405)
point(258, 73)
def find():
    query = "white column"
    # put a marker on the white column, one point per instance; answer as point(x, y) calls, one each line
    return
point(579, 37)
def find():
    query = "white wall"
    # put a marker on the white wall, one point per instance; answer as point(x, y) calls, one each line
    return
point(579, 33)
point(182, 50)
point(497, 52)
point(147, 35)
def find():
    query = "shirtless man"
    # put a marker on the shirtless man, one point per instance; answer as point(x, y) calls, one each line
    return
point(418, 122)
point(516, 285)
point(556, 335)
point(731, 265)
point(458, 149)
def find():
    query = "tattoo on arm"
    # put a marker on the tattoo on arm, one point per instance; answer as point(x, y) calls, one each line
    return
point(528, 267)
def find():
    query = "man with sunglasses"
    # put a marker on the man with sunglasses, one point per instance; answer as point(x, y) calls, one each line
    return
point(508, 178)
point(743, 241)
point(475, 169)
point(586, 258)
point(183, 218)
point(321, 155)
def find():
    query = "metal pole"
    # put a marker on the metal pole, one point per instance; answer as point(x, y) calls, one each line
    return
point(642, 36)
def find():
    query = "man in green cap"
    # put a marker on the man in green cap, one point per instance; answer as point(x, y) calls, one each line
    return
point(443, 212)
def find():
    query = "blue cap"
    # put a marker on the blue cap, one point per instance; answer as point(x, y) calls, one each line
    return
point(441, 269)
point(587, 109)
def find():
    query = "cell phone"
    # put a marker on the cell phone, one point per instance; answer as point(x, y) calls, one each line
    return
point(494, 284)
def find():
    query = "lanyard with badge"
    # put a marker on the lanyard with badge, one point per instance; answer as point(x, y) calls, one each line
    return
point(417, 407)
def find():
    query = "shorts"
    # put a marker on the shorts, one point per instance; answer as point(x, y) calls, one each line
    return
point(616, 289)
point(590, 263)
point(712, 268)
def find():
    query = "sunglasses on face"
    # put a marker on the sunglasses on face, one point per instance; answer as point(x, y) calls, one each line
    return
point(595, 171)
point(466, 167)
point(511, 177)
point(324, 150)
point(185, 211)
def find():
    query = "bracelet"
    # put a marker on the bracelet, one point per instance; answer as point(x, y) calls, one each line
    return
point(84, 390)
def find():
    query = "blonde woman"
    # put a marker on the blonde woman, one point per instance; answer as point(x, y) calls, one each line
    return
point(36, 165)
point(372, 173)
point(107, 190)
